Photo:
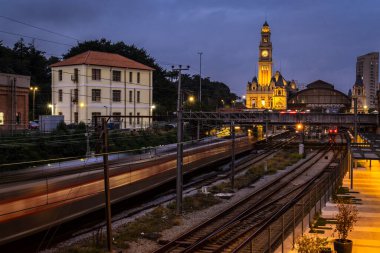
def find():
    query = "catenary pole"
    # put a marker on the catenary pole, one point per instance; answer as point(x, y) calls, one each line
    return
point(179, 187)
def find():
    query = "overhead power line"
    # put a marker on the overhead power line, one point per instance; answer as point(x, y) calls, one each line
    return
point(40, 28)
point(35, 38)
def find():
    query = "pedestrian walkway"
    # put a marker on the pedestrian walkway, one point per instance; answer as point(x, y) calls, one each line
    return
point(366, 233)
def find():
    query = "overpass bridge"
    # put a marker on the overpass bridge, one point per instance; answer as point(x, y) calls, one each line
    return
point(284, 118)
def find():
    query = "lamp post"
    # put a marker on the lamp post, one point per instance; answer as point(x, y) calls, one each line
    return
point(34, 89)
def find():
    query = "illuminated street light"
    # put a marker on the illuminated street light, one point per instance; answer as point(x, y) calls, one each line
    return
point(191, 99)
point(34, 89)
point(81, 104)
point(153, 107)
point(299, 127)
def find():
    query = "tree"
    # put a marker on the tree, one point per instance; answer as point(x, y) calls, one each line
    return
point(164, 93)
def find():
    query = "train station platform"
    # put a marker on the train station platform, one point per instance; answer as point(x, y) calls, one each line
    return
point(366, 233)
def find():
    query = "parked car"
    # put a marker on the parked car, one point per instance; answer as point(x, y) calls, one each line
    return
point(33, 124)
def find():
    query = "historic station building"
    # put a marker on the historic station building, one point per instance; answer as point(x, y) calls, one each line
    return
point(268, 91)
point(320, 96)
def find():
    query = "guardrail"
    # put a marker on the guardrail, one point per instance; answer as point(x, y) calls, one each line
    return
point(339, 119)
point(293, 217)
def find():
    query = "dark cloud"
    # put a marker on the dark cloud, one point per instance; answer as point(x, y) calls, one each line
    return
point(311, 39)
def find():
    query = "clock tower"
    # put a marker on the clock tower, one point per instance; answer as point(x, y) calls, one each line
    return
point(265, 57)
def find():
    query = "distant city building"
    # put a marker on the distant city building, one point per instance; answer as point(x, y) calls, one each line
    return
point(14, 101)
point(97, 83)
point(320, 96)
point(267, 91)
point(367, 66)
point(358, 92)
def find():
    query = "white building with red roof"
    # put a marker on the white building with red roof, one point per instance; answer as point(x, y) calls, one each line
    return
point(97, 84)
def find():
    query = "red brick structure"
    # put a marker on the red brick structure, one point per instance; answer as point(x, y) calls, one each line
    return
point(14, 102)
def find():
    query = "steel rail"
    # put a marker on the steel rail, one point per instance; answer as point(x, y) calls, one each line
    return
point(290, 204)
point(217, 217)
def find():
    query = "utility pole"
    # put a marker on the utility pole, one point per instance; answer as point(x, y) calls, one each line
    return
point(107, 183)
point(179, 143)
point(200, 93)
point(232, 130)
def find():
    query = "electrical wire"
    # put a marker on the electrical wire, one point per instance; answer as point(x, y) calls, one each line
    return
point(35, 38)
point(40, 28)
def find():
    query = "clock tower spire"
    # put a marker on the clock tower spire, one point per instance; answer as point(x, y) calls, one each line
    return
point(265, 57)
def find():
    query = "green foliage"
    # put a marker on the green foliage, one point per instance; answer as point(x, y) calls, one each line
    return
point(310, 244)
point(164, 91)
point(196, 202)
point(346, 217)
point(147, 226)
point(25, 59)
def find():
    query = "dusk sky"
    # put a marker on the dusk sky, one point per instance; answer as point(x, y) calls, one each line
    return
point(311, 39)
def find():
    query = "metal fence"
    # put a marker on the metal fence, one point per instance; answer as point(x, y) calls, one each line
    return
point(295, 217)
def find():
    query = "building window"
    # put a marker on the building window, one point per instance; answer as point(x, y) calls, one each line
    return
point(138, 77)
point(130, 118)
point(130, 77)
point(116, 95)
point(60, 75)
point(1, 118)
point(116, 119)
point(76, 75)
point(18, 118)
point(75, 117)
point(130, 96)
point(138, 97)
point(96, 95)
point(60, 95)
point(94, 114)
point(116, 76)
point(96, 74)
point(138, 118)
point(75, 97)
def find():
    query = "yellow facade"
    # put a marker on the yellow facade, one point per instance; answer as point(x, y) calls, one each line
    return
point(135, 94)
point(267, 91)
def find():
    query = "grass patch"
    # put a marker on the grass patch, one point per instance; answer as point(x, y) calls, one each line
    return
point(278, 162)
point(153, 223)
point(196, 202)
point(148, 226)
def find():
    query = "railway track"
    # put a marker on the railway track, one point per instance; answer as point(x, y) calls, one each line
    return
point(219, 233)
point(267, 148)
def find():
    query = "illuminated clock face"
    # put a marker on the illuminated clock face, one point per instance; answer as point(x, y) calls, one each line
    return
point(264, 53)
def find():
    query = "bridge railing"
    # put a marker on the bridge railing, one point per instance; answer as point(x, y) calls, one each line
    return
point(283, 117)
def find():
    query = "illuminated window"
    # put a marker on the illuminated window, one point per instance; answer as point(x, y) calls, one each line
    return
point(1, 118)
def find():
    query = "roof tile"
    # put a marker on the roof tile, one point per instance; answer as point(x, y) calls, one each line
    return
point(102, 59)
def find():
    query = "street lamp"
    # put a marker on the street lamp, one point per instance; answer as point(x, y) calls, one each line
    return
point(34, 89)
point(191, 99)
